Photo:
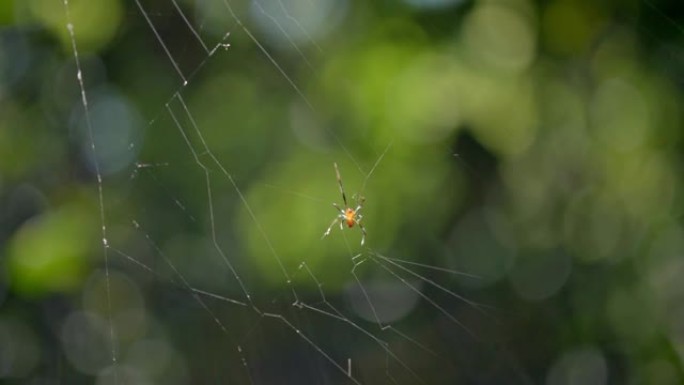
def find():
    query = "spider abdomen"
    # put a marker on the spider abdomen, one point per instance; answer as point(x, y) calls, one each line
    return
point(349, 215)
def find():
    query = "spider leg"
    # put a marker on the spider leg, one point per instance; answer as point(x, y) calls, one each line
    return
point(339, 181)
point(363, 231)
point(331, 226)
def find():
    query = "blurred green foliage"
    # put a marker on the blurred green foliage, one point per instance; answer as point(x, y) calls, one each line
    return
point(172, 233)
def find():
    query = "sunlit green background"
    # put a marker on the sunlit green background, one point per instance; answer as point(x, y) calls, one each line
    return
point(170, 232)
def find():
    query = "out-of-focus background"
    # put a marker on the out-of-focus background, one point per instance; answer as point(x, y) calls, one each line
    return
point(166, 175)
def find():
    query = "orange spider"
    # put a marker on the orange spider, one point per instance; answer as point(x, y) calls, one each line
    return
point(349, 216)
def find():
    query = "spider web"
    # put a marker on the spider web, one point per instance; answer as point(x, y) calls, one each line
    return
point(212, 214)
point(258, 306)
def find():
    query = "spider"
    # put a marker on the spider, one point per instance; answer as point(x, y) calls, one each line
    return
point(347, 215)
